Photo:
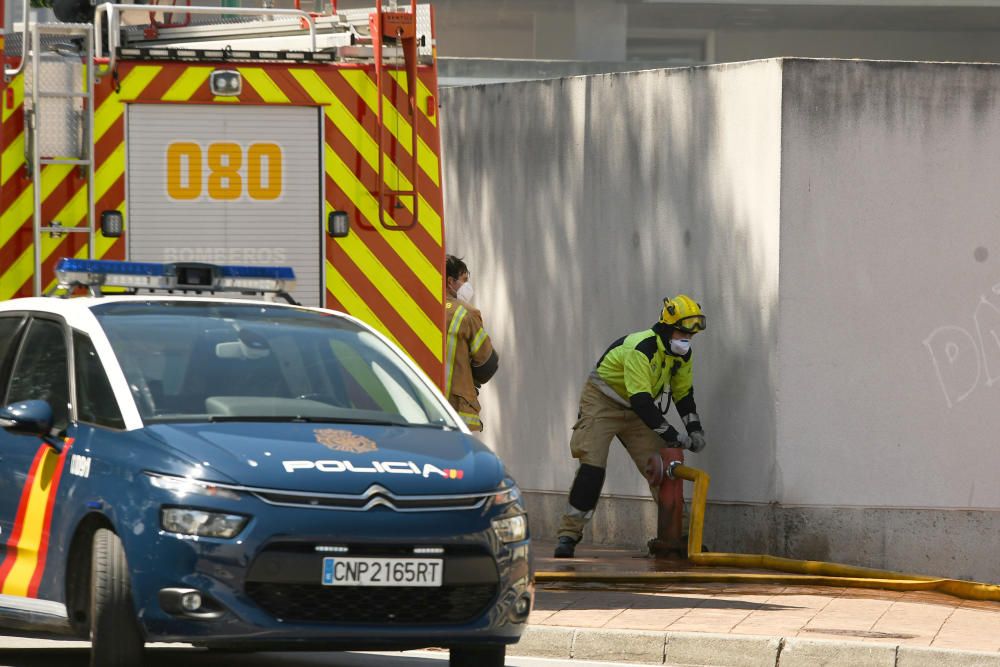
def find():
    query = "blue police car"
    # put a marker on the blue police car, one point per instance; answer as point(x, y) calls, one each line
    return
point(245, 474)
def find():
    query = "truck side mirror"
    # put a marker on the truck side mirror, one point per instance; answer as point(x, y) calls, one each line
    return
point(112, 224)
point(338, 225)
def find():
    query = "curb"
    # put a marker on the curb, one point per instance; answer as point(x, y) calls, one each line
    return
point(705, 649)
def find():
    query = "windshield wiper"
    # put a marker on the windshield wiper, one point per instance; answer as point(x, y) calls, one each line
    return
point(258, 418)
point(329, 420)
point(434, 425)
point(302, 418)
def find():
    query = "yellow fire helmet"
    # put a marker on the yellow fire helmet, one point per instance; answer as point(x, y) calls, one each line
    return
point(683, 313)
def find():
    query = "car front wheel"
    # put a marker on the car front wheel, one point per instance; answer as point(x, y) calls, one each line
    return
point(115, 637)
point(491, 655)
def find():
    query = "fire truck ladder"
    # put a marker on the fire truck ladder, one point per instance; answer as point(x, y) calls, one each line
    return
point(59, 122)
point(398, 27)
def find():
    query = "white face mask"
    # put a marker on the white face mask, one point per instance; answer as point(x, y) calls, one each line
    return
point(465, 292)
point(680, 346)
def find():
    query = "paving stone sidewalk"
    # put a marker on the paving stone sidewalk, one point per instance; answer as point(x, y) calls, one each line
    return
point(753, 624)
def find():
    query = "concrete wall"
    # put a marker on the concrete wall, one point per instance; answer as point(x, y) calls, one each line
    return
point(850, 402)
point(579, 203)
point(890, 271)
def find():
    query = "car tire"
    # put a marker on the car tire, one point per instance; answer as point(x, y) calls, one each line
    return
point(115, 637)
point(491, 655)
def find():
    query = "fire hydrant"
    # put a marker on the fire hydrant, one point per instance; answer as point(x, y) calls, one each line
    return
point(669, 540)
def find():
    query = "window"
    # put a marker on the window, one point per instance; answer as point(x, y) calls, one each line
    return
point(192, 361)
point(95, 400)
point(669, 47)
point(10, 328)
point(41, 370)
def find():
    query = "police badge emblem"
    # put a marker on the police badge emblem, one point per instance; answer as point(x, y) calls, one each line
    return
point(344, 441)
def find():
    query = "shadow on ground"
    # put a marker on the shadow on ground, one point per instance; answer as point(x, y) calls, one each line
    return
point(170, 657)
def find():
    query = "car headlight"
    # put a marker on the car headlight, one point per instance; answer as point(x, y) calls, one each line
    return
point(508, 492)
point(189, 521)
point(511, 528)
point(188, 486)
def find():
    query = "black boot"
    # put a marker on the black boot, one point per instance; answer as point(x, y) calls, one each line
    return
point(566, 547)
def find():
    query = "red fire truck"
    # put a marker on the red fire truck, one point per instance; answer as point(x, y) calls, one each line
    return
point(231, 135)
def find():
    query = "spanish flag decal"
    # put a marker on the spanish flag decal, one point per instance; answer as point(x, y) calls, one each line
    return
point(22, 567)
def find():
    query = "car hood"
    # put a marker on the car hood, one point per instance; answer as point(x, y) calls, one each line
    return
point(333, 458)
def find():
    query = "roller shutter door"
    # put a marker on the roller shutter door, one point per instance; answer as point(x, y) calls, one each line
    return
point(227, 185)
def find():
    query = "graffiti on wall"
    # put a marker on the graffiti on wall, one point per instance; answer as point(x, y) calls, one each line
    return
point(966, 358)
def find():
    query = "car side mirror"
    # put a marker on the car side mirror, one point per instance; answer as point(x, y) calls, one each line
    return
point(338, 225)
point(27, 418)
point(112, 224)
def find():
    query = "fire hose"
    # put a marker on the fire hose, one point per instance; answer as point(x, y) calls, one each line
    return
point(667, 470)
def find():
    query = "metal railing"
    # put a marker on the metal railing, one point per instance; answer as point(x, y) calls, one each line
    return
point(9, 74)
point(113, 12)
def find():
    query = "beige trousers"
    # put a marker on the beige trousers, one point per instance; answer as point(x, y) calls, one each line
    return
point(601, 420)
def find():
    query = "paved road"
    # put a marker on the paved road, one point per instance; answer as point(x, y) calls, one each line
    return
point(18, 652)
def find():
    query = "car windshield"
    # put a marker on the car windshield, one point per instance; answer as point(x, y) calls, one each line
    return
point(203, 361)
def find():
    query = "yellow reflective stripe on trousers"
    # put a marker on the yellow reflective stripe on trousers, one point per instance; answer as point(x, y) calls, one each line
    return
point(478, 341)
point(471, 419)
point(456, 323)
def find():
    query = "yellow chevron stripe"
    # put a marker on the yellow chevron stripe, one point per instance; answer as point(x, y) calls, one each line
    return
point(17, 85)
point(131, 87)
point(353, 304)
point(14, 215)
point(399, 126)
point(403, 245)
point(104, 178)
point(102, 245)
point(105, 116)
point(20, 271)
point(348, 124)
point(422, 325)
point(264, 85)
point(12, 158)
point(187, 84)
point(19, 578)
point(17, 274)
point(13, 155)
point(423, 92)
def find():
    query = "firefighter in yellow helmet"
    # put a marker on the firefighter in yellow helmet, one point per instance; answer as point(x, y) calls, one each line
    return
point(619, 399)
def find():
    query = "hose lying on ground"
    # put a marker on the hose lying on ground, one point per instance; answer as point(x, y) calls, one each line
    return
point(800, 572)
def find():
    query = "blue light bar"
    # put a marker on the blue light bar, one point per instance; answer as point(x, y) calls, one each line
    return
point(254, 278)
point(111, 273)
point(111, 266)
point(273, 272)
point(182, 276)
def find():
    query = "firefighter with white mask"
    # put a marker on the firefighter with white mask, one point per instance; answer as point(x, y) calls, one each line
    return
point(619, 399)
point(470, 359)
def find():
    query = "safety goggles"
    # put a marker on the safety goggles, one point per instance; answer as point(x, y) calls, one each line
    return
point(691, 324)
